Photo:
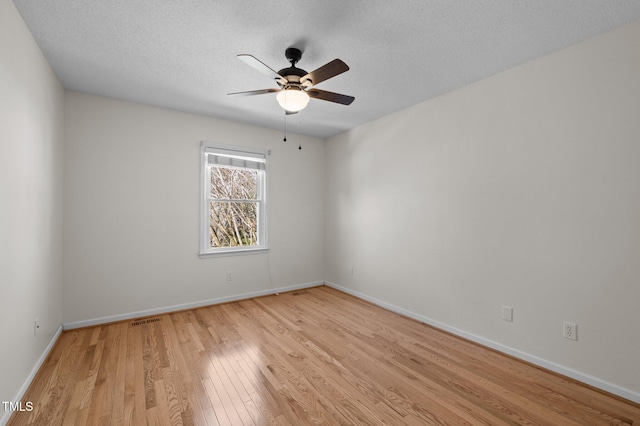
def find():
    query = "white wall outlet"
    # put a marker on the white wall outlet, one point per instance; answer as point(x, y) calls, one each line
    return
point(507, 313)
point(36, 326)
point(570, 331)
point(228, 275)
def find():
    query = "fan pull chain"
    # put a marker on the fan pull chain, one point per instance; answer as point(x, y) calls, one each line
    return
point(285, 127)
point(300, 123)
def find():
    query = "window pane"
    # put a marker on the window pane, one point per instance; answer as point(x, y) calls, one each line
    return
point(234, 184)
point(233, 224)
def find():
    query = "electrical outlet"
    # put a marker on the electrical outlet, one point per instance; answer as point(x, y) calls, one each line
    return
point(507, 313)
point(228, 275)
point(36, 326)
point(570, 331)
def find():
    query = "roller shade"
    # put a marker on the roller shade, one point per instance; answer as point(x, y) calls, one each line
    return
point(243, 160)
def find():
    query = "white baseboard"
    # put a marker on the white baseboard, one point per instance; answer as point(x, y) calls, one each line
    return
point(576, 375)
point(192, 305)
point(4, 418)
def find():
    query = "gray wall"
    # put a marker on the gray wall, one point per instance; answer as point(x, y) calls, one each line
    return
point(31, 109)
point(132, 210)
point(519, 190)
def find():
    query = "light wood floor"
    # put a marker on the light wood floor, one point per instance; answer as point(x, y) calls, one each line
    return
point(315, 356)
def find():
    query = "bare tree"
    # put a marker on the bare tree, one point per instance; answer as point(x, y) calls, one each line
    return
point(234, 211)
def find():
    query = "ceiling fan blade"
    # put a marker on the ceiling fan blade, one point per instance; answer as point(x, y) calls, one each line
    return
point(325, 72)
point(331, 97)
point(253, 62)
point(254, 92)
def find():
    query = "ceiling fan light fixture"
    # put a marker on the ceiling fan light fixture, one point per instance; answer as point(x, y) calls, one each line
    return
point(292, 99)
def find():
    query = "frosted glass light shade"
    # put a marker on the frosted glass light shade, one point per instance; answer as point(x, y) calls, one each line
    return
point(292, 100)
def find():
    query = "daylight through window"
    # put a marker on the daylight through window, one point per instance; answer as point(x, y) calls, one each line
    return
point(234, 200)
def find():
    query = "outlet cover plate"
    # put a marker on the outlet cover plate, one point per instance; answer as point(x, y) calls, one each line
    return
point(507, 313)
point(570, 331)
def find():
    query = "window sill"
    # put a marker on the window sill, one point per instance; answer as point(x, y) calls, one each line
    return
point(236, 252)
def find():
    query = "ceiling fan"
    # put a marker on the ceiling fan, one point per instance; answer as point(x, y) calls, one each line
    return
point(296, 85)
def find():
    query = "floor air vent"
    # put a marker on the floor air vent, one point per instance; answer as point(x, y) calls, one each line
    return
point(144, 321)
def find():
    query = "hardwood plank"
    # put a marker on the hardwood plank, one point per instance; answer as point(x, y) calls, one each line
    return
point(210, 417)
point(314, 356)
point(79, 389)
point(216, 403)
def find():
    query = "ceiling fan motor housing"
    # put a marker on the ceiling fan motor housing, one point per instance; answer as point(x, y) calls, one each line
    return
point(292, 74)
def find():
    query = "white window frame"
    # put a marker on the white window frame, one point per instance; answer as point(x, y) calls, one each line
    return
point(206, 149)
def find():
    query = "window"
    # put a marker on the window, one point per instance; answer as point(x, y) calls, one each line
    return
point(234, 199)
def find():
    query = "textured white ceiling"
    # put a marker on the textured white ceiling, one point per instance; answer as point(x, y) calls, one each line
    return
point(182, 54)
